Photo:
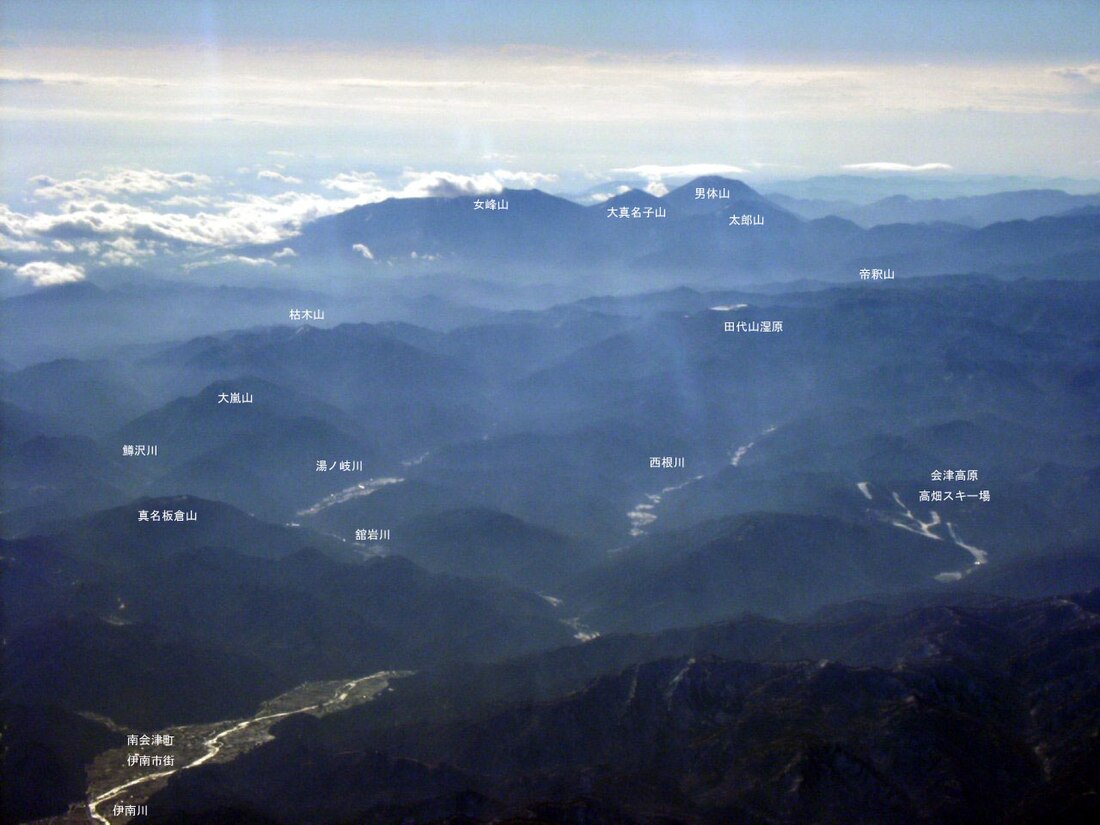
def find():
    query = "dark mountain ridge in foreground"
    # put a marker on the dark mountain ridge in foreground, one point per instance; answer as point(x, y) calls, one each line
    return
point(971, 698)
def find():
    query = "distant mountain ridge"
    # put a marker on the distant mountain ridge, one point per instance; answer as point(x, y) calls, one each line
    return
point(687, 233)
point(974, 211)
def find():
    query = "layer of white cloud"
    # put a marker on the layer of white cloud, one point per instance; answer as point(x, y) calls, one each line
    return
point(13, 232)
point(192, 201)
point(120, 251)
point(124, 182)
point(657, 172)
point(222, 260)
point(117, 207)
point(229, 220)
point(50, 273)
point(529, 179)
point(399, 83)
point(555, 108)
point(277, 177)
point(355, 183)
point(887, 166)
point(600, 197)
point(434, 184)
point(8, 244)
point(1090, 73)
point(450, 185)
point(363, 250)
point(125, 79)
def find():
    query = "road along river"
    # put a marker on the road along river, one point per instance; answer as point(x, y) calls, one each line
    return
point(223, 741)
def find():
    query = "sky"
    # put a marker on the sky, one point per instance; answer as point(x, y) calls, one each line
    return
point(221, 122)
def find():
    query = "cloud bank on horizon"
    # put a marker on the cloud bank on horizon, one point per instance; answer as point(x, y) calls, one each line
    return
point(551, 87)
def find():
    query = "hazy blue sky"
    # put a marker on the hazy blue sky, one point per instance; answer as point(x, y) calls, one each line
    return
point(897, 31)
point(214, 121)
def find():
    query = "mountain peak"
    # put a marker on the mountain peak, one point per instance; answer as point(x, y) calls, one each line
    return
point(737, 189)
point(717, 193)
